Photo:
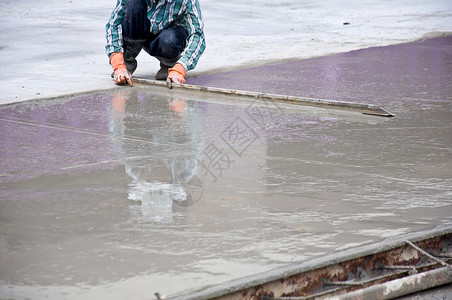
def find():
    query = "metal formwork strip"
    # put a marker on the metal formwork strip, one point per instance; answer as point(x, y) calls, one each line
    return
point(369, 109)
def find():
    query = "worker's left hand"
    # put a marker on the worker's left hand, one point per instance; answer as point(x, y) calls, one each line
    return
point(177, 74)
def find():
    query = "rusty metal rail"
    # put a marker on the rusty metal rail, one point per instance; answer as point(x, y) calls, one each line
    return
point(408, 284)
point(427, 254)
point(403, 286)
point(392, 264)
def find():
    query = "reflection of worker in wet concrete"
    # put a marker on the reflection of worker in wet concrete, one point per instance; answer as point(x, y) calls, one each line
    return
point(161, 152)
point(171, 31)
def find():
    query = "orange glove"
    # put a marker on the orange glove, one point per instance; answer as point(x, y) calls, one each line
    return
point(177, 74)
point(122, 76)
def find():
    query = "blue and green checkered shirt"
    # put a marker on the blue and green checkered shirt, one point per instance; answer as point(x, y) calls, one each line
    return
point(161, 15)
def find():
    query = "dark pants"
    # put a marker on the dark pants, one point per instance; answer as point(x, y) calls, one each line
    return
point(165, 46)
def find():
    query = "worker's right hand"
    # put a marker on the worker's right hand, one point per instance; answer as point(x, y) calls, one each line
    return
point(122, 75)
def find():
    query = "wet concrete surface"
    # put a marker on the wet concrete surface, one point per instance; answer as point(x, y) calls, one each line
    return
point(126, 192)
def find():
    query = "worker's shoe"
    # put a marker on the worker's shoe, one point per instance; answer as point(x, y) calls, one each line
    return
point(132, 47)
point(165, 64)
point(162, 73)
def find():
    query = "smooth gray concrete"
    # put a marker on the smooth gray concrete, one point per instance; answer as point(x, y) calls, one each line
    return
point(123, 193)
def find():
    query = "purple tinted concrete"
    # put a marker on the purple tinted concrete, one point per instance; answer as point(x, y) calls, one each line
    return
point(380, 75)
point(60, 133)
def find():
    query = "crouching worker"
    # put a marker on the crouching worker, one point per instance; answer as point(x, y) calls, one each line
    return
point(169, 30)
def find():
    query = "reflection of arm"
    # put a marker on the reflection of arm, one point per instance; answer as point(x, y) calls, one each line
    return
point(196, 42)
point(114, 29)
point(116, 119)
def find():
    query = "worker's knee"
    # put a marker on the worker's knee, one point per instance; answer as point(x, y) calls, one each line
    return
point(169, 44)
point(172, 41)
